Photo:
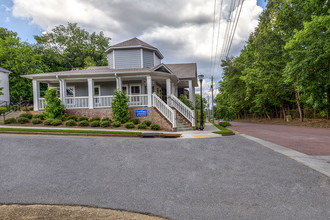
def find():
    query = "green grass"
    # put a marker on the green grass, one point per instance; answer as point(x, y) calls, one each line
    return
point(69, 131)
point(223, 130)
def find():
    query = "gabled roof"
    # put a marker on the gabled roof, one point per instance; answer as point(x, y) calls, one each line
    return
point(4, 70)
point(184, 70)
point(134, 43)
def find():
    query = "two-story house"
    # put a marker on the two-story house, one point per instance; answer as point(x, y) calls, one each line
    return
point(134, 66)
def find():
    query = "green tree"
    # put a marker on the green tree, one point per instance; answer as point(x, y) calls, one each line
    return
point(186, 101)
point(119, 107)
point(54, 107)
point(73, 46)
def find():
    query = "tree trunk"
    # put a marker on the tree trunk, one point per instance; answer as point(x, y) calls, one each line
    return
point(263, 105)
point(328, 103)
point(298, 104)
point(283, 110)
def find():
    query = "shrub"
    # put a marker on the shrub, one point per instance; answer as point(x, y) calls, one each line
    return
point(10, 120)
point(83, 118)
point(146, 122)
point(116, 124)
point(119, 106)
point(54, 106)
point(72, 118)
point(95, 123)
point(154, 127)
point(129, 125)
point(83, 123)
point(40, 116)
point(56, 122)
point(135, 121)
point(48, 121)
point(224, 124)
point(142, 126)
point(23, 120)
point(26, 115)
point(36, 121)
point(106, 119)
point(95, 119)
point(70, 122)
point(104, 124)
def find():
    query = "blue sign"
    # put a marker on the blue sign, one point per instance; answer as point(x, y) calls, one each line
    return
point(140, 113)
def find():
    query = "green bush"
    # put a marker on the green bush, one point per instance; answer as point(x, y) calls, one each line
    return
point(106, 119)
point(104, 124)
point(224, 124)
point(129, 125)
point(36, 121)
point(23, 120)
point(135, 121)
point(72, 118)
point(95, 119)
point(116, 124)
point(83, 118)
point(48, 121)
point(26, 115)
point(95, 123)
point(154, 127)
point(40, 116)
point(70, 122)
point(83, 123)
point(54, 106)
point(146, 122)
point(10, 120)
point(119, 106)
point(56, 122)
point(142, 126)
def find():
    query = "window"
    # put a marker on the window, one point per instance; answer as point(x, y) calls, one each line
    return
point(97, 90)
point(135, 89)
point(124, 89)
point(70, 91)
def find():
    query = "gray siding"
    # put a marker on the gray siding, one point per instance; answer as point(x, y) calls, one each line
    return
point(157, 60)
point(148, 58)
point(81, 88)
point(110, 60)
point(126, 59)
point(107, 88)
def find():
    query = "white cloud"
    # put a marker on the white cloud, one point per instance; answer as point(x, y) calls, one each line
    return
point(182, 30)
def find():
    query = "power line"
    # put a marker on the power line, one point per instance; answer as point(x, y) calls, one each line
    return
point(218, 35)
point(211, 63)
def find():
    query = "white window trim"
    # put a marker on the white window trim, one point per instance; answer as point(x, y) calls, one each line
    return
point(130, 88)
point(127, 88)
point(99, 87)
point(74, 91)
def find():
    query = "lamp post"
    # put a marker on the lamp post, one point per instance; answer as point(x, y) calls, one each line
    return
point(201, 77)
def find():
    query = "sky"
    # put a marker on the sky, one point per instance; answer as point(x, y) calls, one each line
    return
point(182, 30)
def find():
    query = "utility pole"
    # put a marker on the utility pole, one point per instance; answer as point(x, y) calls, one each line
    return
point(212, 98)
point(208, 107)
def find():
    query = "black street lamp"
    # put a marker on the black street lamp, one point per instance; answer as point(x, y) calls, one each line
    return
point(201, 77)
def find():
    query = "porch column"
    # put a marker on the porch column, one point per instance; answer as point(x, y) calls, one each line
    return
point(90, 93)
point(191, 92)
point(118, 83)
point(149, 90)
point(62, 90)
point(172, 88)
point(168, 90)
point(36, 94)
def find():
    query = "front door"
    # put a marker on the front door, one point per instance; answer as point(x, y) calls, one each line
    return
point(135, 98)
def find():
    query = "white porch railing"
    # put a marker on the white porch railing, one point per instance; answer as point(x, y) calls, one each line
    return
point(138, 100)
point(76, 102)
point(103, 101)
point(163, 108)
point(41, 103)
point(183, 109)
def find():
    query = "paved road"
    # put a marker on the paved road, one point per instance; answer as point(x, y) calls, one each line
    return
point(215, 178)
point(307, 140)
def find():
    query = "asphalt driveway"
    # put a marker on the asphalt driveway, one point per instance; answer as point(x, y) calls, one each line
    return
point(215, 178)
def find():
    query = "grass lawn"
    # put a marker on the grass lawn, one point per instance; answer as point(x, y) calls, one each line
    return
point(223, 130)
point(69, 131)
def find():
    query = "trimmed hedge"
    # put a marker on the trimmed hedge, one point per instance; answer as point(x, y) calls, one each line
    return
point(104, 124)
point(135, 121)
point(40, 116)
point(36, 121)
point(48, 121)
point(224, 124)
point(83, 123)
point(70, 122)
point(83, 118)
point(72, 118)
point(23, 120)
point(129, 125)
point(116, 124)
point(106, 119)
point(142, 126)
point(154, 127)
point(146, 122)
point(10, 120)
point(95, 123)
point(95, 119)
point(26, 115)
point(56, 122)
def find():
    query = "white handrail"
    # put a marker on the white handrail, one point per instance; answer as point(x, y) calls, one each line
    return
point(76, 102)
point(183, 109)
point(164, 109)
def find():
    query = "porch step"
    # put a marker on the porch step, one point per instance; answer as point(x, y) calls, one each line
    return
point(182, 125)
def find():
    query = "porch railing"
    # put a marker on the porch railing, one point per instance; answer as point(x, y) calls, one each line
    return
point(103, 101)
point(41, 103)
point(138, 100)
point(164, 109)
point(76, 102)
point(183, 109)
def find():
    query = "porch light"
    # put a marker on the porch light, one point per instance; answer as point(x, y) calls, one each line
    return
point(201, 77)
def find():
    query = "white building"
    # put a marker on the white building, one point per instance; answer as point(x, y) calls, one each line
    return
point(4, 84)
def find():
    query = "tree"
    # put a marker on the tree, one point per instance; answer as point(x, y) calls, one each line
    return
point(119, 107)
point(54, 106)
point(74, 47)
